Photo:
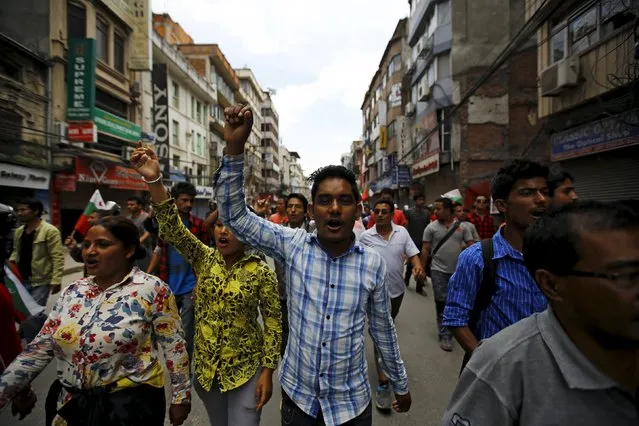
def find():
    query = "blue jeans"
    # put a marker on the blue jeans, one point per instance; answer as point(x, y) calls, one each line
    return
point(40, 293)
point(187, 315)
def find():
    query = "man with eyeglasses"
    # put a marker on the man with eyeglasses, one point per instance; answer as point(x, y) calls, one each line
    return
point(481, 218)
point(393, 243)
point(576, 362)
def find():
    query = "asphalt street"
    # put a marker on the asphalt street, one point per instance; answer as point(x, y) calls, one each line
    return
point(432, 372)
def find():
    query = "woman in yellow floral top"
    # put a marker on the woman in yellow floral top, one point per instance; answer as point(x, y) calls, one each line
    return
point(234, 359)
point(104, 331)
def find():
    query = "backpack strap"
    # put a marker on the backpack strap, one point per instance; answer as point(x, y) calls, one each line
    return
point(488, 285)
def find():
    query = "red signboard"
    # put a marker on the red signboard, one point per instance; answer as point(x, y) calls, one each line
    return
point(103, 173)
point(82, 131)
point(65, 182)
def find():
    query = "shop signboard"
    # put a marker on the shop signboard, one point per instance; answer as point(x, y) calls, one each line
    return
point(603, 135)
point(426, 165)
point(204, 192)
point(403, 176)
point(81, 79)
point(82, 131)
point(101, 173)
point(161, 116)
point(65, 182)
point(23, 177)
point(115, 126)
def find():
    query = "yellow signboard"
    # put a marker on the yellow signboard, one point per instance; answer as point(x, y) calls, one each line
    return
point(383, 137)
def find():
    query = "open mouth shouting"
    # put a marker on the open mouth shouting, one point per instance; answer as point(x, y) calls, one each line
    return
point(222, 242)
point(91, 263)
point(334, 225)
point(538, 212)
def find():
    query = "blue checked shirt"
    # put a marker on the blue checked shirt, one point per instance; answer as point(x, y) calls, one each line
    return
point(517, 296)
point(324, 367)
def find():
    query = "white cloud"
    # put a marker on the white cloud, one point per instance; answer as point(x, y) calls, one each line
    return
point(331, 49)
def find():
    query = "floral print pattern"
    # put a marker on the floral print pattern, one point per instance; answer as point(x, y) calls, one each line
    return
point(229, 342)
point(100, 337)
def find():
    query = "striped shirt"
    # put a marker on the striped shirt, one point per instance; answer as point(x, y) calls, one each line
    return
point(324, 367)
point(517, 296)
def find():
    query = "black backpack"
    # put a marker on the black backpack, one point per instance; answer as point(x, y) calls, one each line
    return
point(487, 288)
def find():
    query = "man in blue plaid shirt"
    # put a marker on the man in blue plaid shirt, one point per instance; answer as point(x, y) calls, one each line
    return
point(332, 282)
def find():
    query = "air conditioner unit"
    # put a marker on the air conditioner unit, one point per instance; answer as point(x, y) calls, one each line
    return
point(560, 75)
point(60, 131)
point(409, 109)
point(423, 90)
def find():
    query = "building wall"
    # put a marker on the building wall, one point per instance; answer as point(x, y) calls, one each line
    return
point(170, 30)
point(27, 22)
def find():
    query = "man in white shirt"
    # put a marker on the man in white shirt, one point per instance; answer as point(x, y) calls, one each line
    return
point(393, 243)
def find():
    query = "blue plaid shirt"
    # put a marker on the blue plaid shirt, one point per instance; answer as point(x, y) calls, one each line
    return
point(517, 296)
point(324, 367)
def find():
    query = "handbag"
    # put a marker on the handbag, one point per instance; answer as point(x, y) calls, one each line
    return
point(449, 234)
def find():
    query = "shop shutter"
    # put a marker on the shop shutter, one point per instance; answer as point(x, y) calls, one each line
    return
point(608, 176)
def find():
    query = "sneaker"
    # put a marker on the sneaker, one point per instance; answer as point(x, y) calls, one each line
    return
point(446, 344)
point(383, 397)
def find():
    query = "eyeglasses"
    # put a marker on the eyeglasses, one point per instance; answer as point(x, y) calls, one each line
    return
point(626, 280)
point(378, 211)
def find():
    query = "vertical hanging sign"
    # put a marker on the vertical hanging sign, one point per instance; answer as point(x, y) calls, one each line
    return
point(161, 116)
point(81, 79)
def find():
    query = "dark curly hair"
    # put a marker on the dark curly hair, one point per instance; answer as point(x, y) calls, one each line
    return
point(505, 179)
point(328, 172)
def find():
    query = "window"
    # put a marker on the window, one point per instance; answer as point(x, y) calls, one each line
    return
point(395, 65)
point(199, 144)
point(175, 95)
point(192, 143)
point(588, 26)
point(443, 66)
point(176, 133)
point(192, 107)
point(384, 80)
point(118, 52)
point(391, 130)
point(76, 21)
point(443, 13)
point(378, 92)
point(176, 161)
point(198, 111)
point(582, 31)
point(444, 132)
point(102, 40)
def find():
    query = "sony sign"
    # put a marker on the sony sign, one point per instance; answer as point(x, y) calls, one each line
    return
point(161, 117)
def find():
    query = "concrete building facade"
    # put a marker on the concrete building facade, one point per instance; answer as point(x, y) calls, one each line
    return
point(271, 170)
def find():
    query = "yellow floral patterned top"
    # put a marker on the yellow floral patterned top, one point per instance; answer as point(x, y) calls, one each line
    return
point(229, 342)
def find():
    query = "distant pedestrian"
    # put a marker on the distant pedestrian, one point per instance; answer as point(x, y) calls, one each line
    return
point(398, 216)
point(393, 243)
point(38, 252)
point(481, 218)
point(461, 214)
point(418, 219)
point(443, 240)
point(576, 362)
point(561, 187)
point(279, 216)
point(135, 207)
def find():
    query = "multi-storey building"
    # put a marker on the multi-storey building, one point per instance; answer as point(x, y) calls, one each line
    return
point(270, 146)
point(357, 162)
point(96, 52)
point(25, 124)
point(285, 176)
point(189, 97)
point(383, 118)
point(588, 76)
point(298, 180)
point(252, 93)
point(461, 145)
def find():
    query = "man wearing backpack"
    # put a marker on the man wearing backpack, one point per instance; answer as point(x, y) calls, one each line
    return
point(491, 288)
point(445, 237)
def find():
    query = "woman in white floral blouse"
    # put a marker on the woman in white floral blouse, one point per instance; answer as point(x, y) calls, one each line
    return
point(104, 332)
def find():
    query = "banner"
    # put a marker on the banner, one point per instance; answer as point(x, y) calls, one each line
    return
point(426, 165)
point(82, 131)
point(161, 117)
point(81, 79)
point(115, 126)
point(100, 173)
point(140, 56)
point(383, 137)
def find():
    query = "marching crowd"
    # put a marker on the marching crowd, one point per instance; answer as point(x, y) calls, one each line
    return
point(543, 303)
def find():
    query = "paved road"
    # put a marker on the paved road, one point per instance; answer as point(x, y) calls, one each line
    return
point(431, 371)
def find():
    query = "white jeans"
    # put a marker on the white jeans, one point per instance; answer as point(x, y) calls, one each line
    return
point(233, 408)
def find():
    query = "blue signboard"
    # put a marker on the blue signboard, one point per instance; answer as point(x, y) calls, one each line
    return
point(403, 176)
point(603, 135)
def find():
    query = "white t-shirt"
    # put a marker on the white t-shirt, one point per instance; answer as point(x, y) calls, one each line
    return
point(392, 251)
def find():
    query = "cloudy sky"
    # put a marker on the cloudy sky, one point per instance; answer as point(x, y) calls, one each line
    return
point(320, 57)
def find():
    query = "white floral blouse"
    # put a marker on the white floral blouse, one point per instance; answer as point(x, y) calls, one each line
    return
point(104, 337)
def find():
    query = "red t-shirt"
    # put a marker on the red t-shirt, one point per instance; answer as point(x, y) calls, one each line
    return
point(278, 218)
point(10, 345)
point(398, 219)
